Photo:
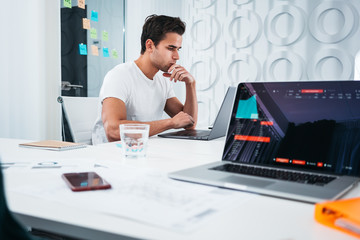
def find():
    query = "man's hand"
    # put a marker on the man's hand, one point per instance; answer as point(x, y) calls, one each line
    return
point(182, 120)
point(179, 73)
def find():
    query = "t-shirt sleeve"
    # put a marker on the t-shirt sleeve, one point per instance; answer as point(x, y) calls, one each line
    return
point(114, 85)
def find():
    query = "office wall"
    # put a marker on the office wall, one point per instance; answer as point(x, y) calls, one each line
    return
point(226, 41)
point(231, 41)
point(30, 69)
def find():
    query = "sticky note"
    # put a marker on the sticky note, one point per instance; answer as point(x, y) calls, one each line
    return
point(94, 50)
point(106, 52)
point(94, 16)
point(67, 3)
point(82, 49)
point(86, 23)
point(114, 53)
point(93, 33)
point(81, 4)
point(105, 36)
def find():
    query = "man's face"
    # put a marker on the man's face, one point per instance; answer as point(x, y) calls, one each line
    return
point(166, 53)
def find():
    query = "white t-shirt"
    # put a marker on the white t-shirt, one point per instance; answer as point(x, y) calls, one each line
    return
point(144, 98)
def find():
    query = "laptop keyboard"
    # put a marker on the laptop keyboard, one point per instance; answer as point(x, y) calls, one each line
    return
point(298, 177)
point(193, 133)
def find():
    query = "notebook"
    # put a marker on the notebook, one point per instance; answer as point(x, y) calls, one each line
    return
point(220, 125)
point(294, 140)
point(53, 145)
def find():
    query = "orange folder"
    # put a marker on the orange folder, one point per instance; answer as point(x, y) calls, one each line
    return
point(343, 215)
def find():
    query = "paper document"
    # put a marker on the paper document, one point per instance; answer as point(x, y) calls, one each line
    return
point(144, 196)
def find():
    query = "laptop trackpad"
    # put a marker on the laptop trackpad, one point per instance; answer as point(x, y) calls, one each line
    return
point(245, 182)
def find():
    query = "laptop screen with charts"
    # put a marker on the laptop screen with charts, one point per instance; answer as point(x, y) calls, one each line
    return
point(220, 125)
point(294, 140)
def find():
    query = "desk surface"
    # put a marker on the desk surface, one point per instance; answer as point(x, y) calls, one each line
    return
point(261, 218)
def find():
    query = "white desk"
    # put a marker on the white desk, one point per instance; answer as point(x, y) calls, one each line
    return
point(261, 218)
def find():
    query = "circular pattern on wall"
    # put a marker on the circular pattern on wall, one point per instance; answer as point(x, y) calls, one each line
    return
point(278, 61)
point(297, 27)
point(247, 19)
point(241, 67)
point(203, 3)
point(205, 31)
point(318, 22)
point(206, 72)
point(207, 108)
point(330, 64)
point(241, 2)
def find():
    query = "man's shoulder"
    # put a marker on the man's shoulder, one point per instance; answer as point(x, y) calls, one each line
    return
point(120, 70)
point(122, 67)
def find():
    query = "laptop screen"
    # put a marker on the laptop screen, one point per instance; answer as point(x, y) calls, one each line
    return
point(303, 125)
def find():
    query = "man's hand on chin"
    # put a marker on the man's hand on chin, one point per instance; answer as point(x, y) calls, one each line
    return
point(179, 73)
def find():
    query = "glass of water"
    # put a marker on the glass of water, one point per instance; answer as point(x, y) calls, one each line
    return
point(134, 139)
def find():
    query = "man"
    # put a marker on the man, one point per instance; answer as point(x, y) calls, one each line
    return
point(139, 92)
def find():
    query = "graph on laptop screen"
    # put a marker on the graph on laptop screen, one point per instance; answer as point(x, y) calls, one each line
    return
point(310, 125)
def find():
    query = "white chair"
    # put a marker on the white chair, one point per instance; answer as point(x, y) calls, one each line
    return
point(79, 113)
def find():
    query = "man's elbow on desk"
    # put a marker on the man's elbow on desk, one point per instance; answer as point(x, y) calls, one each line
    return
point(112, 131)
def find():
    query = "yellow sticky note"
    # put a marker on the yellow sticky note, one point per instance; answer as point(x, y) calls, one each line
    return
point(93, 33)
point(86, 23)
point(94, 50)
point(114, 54)
point(81, 4)
point(105, 36)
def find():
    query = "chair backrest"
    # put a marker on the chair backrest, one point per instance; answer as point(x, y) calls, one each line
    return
point(80, 114)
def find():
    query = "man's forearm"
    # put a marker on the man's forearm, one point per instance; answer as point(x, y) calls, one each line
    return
point(113, 131)
point(191, 105)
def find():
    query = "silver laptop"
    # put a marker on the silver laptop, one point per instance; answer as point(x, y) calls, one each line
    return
point(294, 140)
point(220, 125)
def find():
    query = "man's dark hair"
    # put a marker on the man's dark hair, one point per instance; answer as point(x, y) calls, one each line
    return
point(156, 27)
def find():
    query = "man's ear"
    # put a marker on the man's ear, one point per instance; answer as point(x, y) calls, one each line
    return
point(149, 44)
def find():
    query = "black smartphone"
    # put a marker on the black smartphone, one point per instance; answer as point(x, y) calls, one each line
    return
point(84, 181)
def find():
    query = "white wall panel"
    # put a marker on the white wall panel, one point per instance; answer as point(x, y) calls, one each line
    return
point(231, 41)
point(30, 69)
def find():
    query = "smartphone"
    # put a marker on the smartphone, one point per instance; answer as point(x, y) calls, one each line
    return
point(84, 181)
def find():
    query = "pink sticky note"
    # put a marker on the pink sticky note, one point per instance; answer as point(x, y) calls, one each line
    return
point(94, 50)
point(81, 4)
point(86, 23)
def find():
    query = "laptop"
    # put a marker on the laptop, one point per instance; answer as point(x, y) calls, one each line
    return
point(220, 125)
point(293, 140)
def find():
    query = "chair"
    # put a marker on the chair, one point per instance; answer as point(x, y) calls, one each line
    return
point(10, 228)
point(79, 116)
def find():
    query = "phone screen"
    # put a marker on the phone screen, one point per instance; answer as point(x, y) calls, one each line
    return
point(85, 181)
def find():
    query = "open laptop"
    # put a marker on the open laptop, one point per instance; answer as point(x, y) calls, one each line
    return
point(220, 125)
point(294, 140)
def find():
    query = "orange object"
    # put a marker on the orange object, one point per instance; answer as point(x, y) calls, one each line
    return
point(343, 215)
point(252, 138)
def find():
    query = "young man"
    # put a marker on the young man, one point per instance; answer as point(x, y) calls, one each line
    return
point(137, 92)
